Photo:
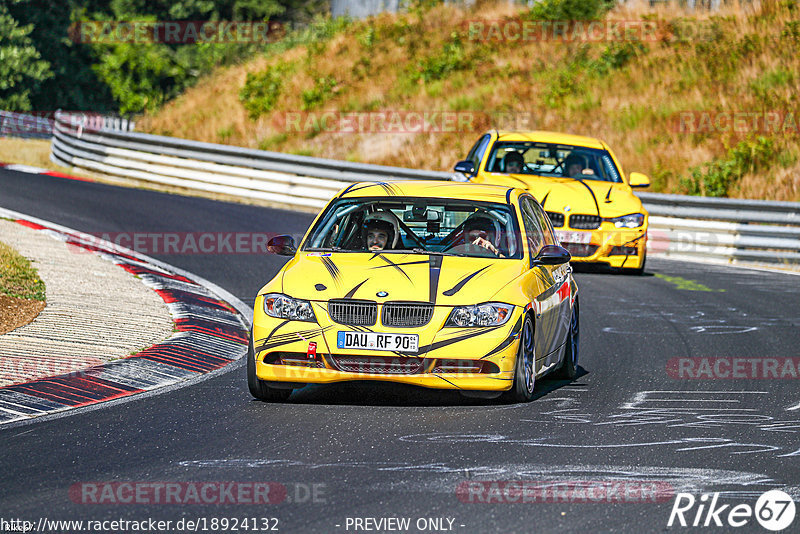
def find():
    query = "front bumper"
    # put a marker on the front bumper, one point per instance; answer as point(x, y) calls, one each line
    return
point(485, 382)
point(447, 356)
point(616, 247)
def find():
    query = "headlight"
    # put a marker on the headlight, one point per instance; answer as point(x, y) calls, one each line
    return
point(283, 307)
point(633, 220)
point(487, 314)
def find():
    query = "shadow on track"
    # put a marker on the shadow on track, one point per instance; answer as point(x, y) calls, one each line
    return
point(369, 393)
point(601, 268)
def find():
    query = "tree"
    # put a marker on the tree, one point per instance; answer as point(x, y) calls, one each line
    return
point(21, 68)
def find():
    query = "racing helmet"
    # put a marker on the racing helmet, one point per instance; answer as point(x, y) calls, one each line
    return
point(482, 221)
point(575, 159)
point(387, 222)
point(513, 156)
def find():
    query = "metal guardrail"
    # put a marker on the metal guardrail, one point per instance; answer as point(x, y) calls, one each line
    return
point(723, 209)
point(274, 176)
point(41, 124)
point(723, 230)
point(710, 229)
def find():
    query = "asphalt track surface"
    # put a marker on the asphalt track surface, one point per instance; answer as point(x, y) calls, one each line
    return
point(395, 451)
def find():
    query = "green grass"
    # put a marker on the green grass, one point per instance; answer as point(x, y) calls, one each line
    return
point(683, 283)
point(18, 278)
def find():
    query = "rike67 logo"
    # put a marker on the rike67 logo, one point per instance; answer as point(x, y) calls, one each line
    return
point(774, 510)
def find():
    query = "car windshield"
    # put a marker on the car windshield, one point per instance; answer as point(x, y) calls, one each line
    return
point(549, 159)
point(417, 225)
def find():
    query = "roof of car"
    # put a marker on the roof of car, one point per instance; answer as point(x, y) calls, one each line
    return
point(428, 189)
point(551, 137)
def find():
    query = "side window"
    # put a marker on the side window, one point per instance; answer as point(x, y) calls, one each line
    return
point(474, 149)
point(476, 154)
point(533, 226)
point(610, 168)
point(547, 226)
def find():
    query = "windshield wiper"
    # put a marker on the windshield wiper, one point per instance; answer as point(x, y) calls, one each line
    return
point(327, 249)
point(433, 252)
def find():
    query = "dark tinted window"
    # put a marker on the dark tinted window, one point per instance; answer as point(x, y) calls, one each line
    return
point(534, 230)
point(549, 159)
point(479, 148)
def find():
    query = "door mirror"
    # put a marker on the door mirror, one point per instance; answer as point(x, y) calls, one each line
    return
point(465, 167)
point(637, 179)
point(282, 244)
point(552, 255)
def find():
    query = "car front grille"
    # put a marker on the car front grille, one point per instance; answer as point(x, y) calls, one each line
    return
point(584, 222)
point(383, 365)
point(406, 314)
point(353, 312)
point(556, 218)
point(580, 251)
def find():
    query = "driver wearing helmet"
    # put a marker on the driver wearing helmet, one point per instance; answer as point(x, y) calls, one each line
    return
point(480, 230)
point(513, 162)
point(574, 165)
point(381, 231)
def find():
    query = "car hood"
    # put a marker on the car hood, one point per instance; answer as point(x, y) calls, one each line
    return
point(581, 196)
point(445, 280)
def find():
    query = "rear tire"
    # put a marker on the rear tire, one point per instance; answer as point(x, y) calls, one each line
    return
point(258, 388)
point(525, 366)
point(569, 367)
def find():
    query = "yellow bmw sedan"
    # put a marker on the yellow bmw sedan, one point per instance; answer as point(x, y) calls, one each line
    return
point(436, 284)
point(579, 182)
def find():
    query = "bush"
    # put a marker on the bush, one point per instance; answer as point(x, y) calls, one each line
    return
point(261, 90)
point(714, 179)
point(451, 58)
point(324, 88)
point(571, 79)
point(617, 55)
point(570, 9)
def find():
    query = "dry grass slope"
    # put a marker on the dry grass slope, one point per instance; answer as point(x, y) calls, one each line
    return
point(741, 59)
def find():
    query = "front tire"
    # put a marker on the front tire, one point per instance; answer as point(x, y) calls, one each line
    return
point(525, 367)
point(258, 388)
point(569, 368)
point(638, 271)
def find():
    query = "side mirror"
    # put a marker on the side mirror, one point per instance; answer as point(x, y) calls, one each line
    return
point(465, 167)
point(637, 179)
point(552, 255)
point(282, 244)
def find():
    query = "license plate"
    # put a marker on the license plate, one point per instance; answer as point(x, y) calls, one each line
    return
point(582, 238)
point(378, 341)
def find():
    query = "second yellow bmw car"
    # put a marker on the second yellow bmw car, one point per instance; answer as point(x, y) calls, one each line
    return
point(436, 284)
point(579, 182)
